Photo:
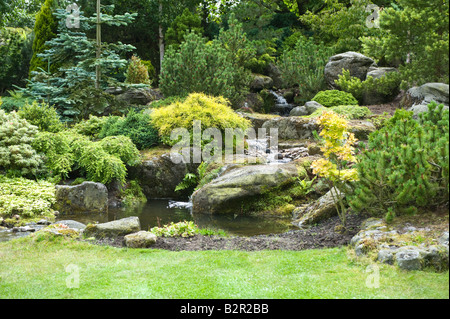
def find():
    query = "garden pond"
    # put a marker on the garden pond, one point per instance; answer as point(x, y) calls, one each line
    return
point(160, 212)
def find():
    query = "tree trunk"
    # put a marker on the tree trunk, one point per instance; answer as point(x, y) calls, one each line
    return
point(99, 47)
point(161, 36)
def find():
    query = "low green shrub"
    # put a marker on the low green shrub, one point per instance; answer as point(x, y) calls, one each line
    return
point(259, 64)
point(123, 148)
point(17, 156)
point(103, 161)
point(26, 198)
point(135, 125)
point(182, 229)
point(350, 112)
point(11, 104)
point(59, 158)
point(405, 165)
point(334, 98)
point(100, 166)
point(43, 116)
point(386, 86)
point(90, 127)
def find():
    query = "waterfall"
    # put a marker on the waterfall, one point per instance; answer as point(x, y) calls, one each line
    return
point(281, 105)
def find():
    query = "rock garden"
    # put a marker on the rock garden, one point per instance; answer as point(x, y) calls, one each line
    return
point(213, 132)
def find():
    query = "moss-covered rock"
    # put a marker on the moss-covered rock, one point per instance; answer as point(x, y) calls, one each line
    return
point(88, 197)
point(233, 189)
point(121, 227)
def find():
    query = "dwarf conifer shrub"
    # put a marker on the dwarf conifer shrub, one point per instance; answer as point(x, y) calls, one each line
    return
point(212, 112)
point(135, 125)
point(42, 115)
point(16, 154)
point(335, 98)
point(405, 165)
point(137, 72)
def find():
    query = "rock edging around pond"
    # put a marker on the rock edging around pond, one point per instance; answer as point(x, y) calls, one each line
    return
point(405, 247)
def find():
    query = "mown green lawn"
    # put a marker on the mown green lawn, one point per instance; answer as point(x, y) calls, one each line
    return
point(30, 269)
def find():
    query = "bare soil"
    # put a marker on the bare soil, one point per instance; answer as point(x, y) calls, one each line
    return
point(322, 235)
point(389, 108)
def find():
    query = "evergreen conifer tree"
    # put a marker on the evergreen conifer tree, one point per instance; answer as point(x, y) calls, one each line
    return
point(45, 29)
point(71, 89)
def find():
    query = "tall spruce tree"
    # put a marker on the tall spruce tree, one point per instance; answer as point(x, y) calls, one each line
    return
point(72, 88)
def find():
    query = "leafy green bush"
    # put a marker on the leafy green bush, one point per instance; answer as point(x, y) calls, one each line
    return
point(405, 165)
point(259, 64)
point(335, 98)
point(100, 166)
point(386, 86)
point(16, 154)
point(90, 127)
point(213, 112)
point(43, 116)
point(123, 148)
point(59, 158)
point(26, 198)
point(182, 229)
point(304, 67)
point(135, 125)
point(350, 112)
point(103, 161)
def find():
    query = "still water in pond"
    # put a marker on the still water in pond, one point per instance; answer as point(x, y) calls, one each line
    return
point(162, 212)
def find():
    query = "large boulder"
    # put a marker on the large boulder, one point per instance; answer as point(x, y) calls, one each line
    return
point(142, 239)
point(322, 209)
point(134, 95)
point(160, 175)
point(418, 98)
point(308, 109)
point(356, 63)
point(85, 198)
point(274, 72)
point(299, 111)
point(261, 82)
point(301, 128)
point(226, 193)
point(292, 128)
point(121, 227)
point(375, 98)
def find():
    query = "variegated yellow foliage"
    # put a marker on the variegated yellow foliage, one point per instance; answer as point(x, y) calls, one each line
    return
point(338, 149)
